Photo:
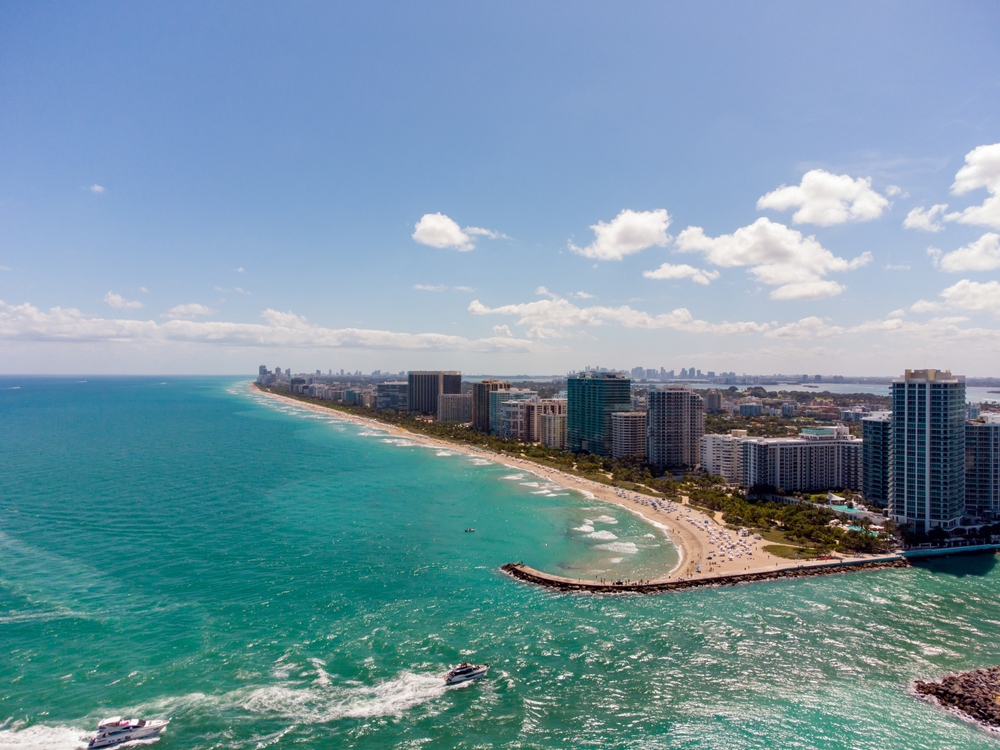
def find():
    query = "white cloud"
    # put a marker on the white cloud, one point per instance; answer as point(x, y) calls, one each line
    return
point(120, 303)
point(549, 318)
point(935, 255)
point(143, 289)
point(827, 199)
point(502, 332)
point(682, 271)
point(922, 306)
point(628, 233)
point(778, 256)
point(218, 288)
point(464, 289)
point(891, 267)
point(897, 314)
point(581, 295)
point(806, 328)
point(438, 230)
point(981, 255)
point(893, 190)
point(429, 288)
point(5, 268)
point(187, 311)
point(240, 270)
point(981, 170)
point(546, 293)
point(284, 329)
point(96, 189)
point(974, 296)
point(923, 218)
point(487, 233)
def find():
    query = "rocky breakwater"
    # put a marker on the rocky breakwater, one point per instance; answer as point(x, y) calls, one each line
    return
point(975, 693)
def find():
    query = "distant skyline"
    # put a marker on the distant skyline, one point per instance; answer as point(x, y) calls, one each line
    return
point(500, 188)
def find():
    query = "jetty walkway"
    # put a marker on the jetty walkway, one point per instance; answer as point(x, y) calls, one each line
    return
point(530, 575)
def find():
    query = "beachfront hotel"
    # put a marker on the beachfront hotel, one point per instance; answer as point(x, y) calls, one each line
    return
point(928, 450)
point(592, 398)
point(499, 397)
point(481, 401)
point(522, 418)
point(722, 455)
point(455, 407)
point(675, 426)
point(817, 459)
point(628, 434)
point(426, 385)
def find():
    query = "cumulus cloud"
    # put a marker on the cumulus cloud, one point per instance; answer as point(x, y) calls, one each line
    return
point(682, 271)
point(777, 255)
point(429, 288)
point(980, 255)
point(973, 296)
point(628, 233)
point(893, 190)
point(806, 328)
point(438, 230)
point(120, 303)
point(924, 218)
point(581, 295)
point(187, 311)
point(502, 332)
point(95, 188)
point(549, 318)
point(283, 329)
point(981, 170)
point(827, 199)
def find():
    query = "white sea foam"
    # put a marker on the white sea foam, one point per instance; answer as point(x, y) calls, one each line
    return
point(605, 519)
point(513, 476)
point(605, 536)
point(650, 536)
point(529, 484)
point(615, 560)
point(480, 462)
point(627, 548)
point(586, 529)
point(41, 737)
point(444, 453)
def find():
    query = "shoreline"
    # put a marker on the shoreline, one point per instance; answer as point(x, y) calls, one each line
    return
point(694, 534)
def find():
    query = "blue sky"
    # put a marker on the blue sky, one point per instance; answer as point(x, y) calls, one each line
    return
point(202, 188)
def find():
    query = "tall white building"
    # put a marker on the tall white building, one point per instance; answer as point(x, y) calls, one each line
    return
point(522, 419)
point(818, 459)
point(552, 430)
point(722, 455)
point(928, 450)
point(628, 434)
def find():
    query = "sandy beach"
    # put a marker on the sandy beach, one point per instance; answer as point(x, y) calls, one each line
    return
point(706, 547)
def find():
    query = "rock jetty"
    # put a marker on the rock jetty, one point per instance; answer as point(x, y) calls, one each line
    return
point(974, 693)
point(530, 575)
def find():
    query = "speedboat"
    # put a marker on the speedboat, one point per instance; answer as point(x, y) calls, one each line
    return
point(116, 730)
point(466, 672)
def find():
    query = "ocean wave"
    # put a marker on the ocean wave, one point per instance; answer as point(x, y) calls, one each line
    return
point(627, 548)
point(529, 484)
point(605, 519)
point(615, 560)
point(606, 536)
point(513, 476)
point(586, 528)
point(41, 737)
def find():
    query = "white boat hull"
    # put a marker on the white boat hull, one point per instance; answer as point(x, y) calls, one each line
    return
point(109, 739)
point(457, 679)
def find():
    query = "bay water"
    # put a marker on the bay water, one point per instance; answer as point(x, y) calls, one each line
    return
point(267, 576)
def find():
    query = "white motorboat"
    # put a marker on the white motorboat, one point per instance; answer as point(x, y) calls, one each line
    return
point(465, 673)
point(116, 730)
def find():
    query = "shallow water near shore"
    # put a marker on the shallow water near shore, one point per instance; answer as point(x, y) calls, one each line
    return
point(272, 577)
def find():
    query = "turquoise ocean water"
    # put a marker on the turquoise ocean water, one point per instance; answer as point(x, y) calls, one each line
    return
point(268, 577)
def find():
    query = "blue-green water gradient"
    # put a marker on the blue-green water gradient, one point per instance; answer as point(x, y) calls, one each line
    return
point(267, 576)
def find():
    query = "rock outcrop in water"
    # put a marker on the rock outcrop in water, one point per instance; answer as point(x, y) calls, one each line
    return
point(975, 693)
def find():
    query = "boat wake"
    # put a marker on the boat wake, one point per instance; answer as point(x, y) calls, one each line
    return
point(16, 736)
point(316, 703)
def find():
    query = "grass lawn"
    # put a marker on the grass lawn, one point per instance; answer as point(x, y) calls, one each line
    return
point(778, 537)
point(791, 553)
